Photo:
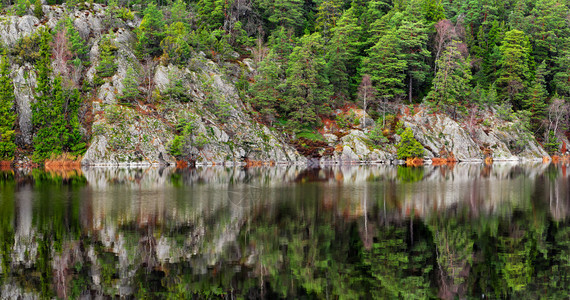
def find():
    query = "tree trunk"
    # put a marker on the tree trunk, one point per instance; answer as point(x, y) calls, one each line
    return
point(364, 114)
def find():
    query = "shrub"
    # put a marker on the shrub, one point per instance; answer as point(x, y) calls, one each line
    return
point(409, 147)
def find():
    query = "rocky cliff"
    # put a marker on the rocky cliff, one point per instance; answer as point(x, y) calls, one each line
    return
point(223, 130)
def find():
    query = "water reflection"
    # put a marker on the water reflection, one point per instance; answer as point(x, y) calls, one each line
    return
point(286, 232)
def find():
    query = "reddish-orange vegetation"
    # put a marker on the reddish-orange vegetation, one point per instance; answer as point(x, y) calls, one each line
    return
point(62, 163)
point(438, 161)
point(555, 159)
point(488, 160)
point(258, 163)
point(545, 159)
point(414, 162)
point(181, 164)
point(5, 165)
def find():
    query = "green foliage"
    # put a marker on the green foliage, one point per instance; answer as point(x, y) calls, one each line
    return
point(307, 89)
point(107, 65)
point(150, 31)
point(514, 67)
point(7, 116)
point(551, 145)
point(38, 11)
point(55, 111)
point(130, 86)
point(26, 49)
point(451, 82)
point(175, 45)
point(21, 7)
point(409, 147)
point(376, 135)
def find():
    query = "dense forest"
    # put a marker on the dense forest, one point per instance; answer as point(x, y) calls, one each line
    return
point(312, 57)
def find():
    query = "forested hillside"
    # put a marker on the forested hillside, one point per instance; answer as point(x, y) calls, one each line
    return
point(297, 69)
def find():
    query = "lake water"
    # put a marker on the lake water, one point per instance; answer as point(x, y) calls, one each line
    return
point(462, 231)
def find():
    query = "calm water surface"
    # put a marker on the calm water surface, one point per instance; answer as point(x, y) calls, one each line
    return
point(463, 231)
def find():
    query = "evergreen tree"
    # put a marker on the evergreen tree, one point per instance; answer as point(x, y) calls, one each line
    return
point(268, 87)
point(387, 66)
point(413, 39)
point(451, 82)
point(74, 138)
point(548, 26)
point(409, 147)
point(433, 10)
point(107, 65)
point(328, 14)
point(43, 110)
point(535, 101)
point(211, 13)
point(284, 13)
point(130, 86)
point(178, 12)
point(307, 88)
point(7, 116)
point(38, 11)
point(341, 57)
point(151, 31)
point(561, 80)
point(175, 46)
point(514, 72)
point(51, 132)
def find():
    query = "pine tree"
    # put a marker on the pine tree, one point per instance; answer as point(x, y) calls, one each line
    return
point(328, 14)
point(38, 10)
point(107, 65)
point(178, 12)
point(130, 86)
point(151, 31)
point(7, 116)
point(386, 65)
point(341, 57)
point(433, 10)
point(51, 132)
point(75, 143)
point(43, 108)
point(535, 101)
point(284, 13)
point(175, 47)
point(413, 39)
point(514, 72)
point(451, 82)
point(211, 13)
point(561, 80)
point(308, 89)
point(268, 86)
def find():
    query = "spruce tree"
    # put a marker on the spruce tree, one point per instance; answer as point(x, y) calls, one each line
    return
point(7, 116)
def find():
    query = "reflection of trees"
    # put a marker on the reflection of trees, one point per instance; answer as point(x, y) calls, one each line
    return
point(339, 233)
